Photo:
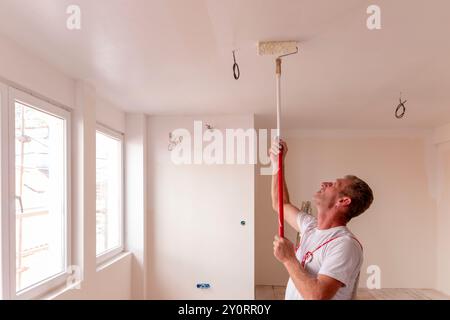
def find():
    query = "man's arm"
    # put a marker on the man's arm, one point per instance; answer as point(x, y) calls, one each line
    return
point(311, 288)
point(320, 288)
point(290, 211)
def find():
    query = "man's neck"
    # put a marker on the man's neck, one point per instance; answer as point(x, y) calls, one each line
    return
point(328, 220)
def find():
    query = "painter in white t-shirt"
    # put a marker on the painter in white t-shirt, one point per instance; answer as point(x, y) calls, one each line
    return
point(328, 262)
point(339, 255)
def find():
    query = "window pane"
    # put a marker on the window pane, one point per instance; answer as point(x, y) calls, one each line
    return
point(109, 193)
point(40, 196)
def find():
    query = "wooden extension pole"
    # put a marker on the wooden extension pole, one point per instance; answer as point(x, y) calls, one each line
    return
point(280, 155)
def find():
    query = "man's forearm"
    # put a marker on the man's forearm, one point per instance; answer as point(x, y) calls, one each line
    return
point(275, 190)
point(308, 286)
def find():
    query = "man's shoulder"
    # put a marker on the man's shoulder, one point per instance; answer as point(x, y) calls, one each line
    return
point(347, 240)
point(306, 221)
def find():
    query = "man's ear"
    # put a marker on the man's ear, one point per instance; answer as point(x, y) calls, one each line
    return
point(345, 201)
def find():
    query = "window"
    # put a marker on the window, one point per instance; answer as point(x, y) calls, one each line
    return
point(39, 195)
point(109, 193)
point(3, 190)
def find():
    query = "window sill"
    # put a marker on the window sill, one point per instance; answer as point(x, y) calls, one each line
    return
point(55, 293)
point(120, 256)
point(109, 255)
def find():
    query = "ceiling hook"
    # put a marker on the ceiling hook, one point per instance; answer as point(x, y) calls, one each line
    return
point(236, 71)
point(401, 108)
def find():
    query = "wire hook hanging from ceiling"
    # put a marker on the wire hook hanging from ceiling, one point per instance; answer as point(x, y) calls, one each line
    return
point(236, 71)
point(401, 108)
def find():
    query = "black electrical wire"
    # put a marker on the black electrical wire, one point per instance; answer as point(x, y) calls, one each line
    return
point(236, 71)
point(401, 109)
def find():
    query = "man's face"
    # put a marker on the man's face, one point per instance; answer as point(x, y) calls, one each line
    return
point(329, 192)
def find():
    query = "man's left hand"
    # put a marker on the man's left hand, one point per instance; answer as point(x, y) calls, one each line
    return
point(283, 250)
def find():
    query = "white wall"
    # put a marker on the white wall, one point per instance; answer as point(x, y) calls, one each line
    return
point(195, 235)
point(397, 232)
point(113, 280)
point(110, 115)
point(23, 70)
point(442, 141)
point(136, 201)
point(110, 282)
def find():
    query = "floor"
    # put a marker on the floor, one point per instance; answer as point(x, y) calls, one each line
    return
point(277, 293)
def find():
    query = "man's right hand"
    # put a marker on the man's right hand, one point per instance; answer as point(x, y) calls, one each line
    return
point(277, 144)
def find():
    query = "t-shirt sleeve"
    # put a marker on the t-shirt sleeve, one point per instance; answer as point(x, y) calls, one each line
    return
point(305, 221)
point(342, 261)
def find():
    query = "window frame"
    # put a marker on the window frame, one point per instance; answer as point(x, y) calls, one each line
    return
point(111, 253)
point(57, 280)
point(4, 240)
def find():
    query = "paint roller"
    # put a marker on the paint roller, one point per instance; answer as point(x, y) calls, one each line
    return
point(280, 49)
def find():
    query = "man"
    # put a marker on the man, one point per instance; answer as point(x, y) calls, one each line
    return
point(328, 262)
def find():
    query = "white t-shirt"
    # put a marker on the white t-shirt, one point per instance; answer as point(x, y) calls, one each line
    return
point(340, 259)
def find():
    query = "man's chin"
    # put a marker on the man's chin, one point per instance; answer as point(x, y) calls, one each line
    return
point(316, 197)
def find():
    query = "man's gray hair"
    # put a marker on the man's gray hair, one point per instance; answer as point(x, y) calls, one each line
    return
point(360, 194)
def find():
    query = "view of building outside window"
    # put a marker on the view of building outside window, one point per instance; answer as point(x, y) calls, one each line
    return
point(108, 193)
point(40, 166)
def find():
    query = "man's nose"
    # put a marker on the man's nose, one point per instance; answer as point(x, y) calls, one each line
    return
point(326, 184)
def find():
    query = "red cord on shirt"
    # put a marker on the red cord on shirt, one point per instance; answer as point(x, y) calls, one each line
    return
point(309, 254)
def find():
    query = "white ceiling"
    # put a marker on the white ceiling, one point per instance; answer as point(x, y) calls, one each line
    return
point(174, 56)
